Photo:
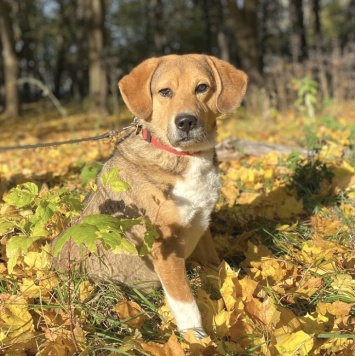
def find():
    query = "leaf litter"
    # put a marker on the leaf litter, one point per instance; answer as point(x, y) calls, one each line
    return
point(284, 226)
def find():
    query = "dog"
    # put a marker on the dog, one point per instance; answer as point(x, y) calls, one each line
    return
point(171, 167)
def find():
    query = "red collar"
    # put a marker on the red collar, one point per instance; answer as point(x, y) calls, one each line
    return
point(149, 138)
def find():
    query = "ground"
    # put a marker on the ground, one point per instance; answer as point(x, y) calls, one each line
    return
point(284, 227)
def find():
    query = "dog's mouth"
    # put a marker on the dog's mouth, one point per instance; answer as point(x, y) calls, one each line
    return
point(195, 135)
point(195, 139)
point(189, 138)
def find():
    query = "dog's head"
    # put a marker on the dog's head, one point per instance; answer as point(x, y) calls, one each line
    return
point(179, 97)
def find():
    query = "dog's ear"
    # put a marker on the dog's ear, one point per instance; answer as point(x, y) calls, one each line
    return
point(135, 88)
point(231, 84)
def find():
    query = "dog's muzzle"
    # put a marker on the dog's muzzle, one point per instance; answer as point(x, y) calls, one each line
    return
point(185, 122)
point(184, 129)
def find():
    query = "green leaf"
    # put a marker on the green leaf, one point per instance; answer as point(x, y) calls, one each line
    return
point(6, 225)
point(98, 226)
point(22, 195)
point(125, 247)
point(89, 172)
point(111, 179)
point(102, 221)
point(80, 234)
point(43, 214)
point(150, 236)
point(110, 239)
point(17, 246)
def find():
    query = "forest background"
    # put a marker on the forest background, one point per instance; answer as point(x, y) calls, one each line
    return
point(284, 224)
point(79, 49)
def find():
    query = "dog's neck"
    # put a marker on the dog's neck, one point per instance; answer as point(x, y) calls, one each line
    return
point(149, 138)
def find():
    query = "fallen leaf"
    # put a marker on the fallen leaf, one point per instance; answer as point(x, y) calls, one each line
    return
point(298, 343)
point(263, 312)
point(170, 348)
point(130, 313)
point(85, 290)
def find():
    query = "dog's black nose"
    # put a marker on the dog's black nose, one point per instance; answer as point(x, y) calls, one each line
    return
point(185, 122)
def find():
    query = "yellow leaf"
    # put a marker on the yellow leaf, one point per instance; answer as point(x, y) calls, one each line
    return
point(264, 313)
point(47, 281)
point(62, 341)
point(197, 347)
point(209, 309)
point(222, 323)
point(314, 323)
point(246, 289)
point(326, 227)
point(171, 348)
point(228, 348)
point(29, 289)
point(85, 289)
point(39, 261)
point(339, 346)
point(345, 285)
point(288, 323)
point(130, 313)
point(337, 308)
point(298, 343)
point(270, 270)
point(308, 286)
point(287, 228)
point(240, 332)
point(228, 279)
point(15, 319)
point(247, 198)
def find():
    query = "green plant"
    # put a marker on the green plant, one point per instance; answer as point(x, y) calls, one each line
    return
point(307, 95)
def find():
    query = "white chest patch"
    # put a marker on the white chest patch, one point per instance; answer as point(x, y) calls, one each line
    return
point(197, 192)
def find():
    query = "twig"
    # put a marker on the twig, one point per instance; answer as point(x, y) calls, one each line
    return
point(46, 92)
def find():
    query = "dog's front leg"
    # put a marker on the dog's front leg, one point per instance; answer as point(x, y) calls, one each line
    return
point(169, 264)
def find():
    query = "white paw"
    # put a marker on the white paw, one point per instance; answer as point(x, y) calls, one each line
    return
point(199, 332)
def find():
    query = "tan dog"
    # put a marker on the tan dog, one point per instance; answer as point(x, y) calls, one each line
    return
point(172, 172)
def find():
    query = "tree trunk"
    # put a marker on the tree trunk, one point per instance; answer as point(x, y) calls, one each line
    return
point(317, 23)
point(158, 26)
point(61, 54)
point(97, 73)
point(27, 57)
point(222, 38)
point(298, 32)
point(245, 24)
point(78, 70)
point(11, 65)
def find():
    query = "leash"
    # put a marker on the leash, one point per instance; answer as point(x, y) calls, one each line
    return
point(109, 134)
point(146, 135)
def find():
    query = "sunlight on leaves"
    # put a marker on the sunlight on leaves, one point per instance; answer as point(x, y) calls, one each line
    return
point(111, 179)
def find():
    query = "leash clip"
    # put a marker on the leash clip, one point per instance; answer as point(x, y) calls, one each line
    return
point(137, 124)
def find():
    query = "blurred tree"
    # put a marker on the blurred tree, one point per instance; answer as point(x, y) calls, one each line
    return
point(157, 8)
point(222, 31)
point(80, 48)
point(317, 23)
point(298, 32)
point(26, 14)
point(79, 66)
point(245, 22)
point(10, 62)
point(98, 86)
point(61, 49)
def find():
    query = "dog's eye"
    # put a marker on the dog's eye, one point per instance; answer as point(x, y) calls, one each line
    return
point(166, 92)
point(201, 88)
